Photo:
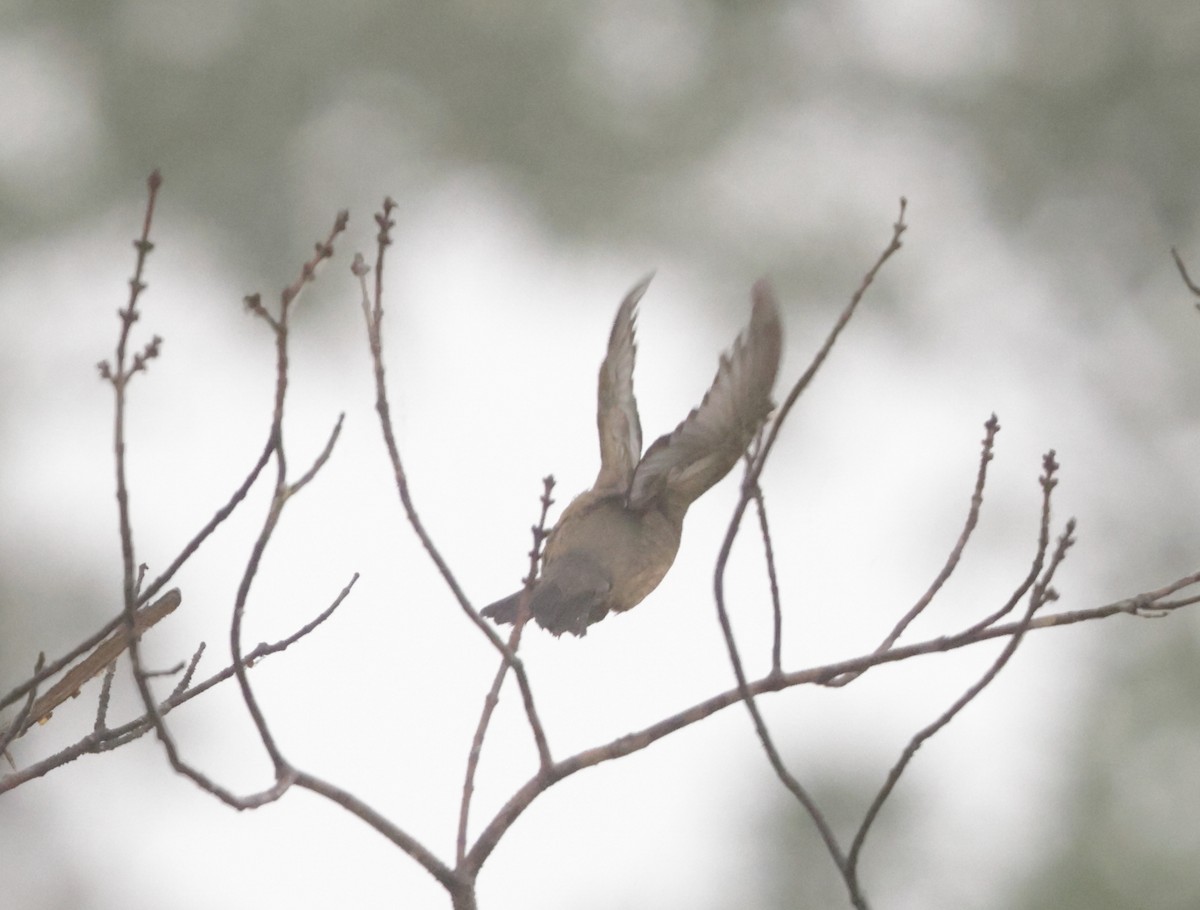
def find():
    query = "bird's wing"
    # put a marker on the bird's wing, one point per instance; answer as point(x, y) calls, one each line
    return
point(704, 447)
point(616, 412)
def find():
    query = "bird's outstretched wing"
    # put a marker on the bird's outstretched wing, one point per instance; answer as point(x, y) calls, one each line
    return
point(681, 465)
point(616, 411)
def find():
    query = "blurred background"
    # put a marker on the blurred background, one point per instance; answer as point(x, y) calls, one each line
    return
point(544, 157)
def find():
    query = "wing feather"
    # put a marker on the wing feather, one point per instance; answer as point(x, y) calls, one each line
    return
point(683, 464)
point(616, 411)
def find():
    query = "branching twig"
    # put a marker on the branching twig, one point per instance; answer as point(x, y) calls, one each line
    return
point(103, 656)
point(125, 631)
point(1041, 594)
point(104, 739)
point(366, 813)
point(991, 428)
point(1148, 604)
point(118, 374)
point(493, 696)
point(749, 485)
point(373, 314)
point(1048, 482)
point(54, 667)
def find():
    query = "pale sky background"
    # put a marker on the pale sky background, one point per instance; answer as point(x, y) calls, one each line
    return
point(544, 159)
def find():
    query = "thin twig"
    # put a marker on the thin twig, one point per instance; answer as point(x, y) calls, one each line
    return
point(211, 525)
point(356, 807)
point(186, 679)
point(760, 507)
point(493, 696)
point(806, 378)
point(107, 739)
point(1148, 604)
point(991, 428)
point(54, 667)
point(119, 374)
point(280, 326)
point(1048, 481)
point(750, 483)
point(1183, 273)
point(104, 655)
point(373, 315)
point(22, 720)
point(760, 727)
point(110, 673)
point(764, 530)
point(1041, 594)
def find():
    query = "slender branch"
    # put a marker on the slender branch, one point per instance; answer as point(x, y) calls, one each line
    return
point(1048, 481)
point(991, 428)
point(1150, 604)
point(119, 374)
point(764, 530)
point(103, 656)
point(749, 485)
point(747, 697)
point(283, 492)
point(366, 813)
point(373, 315)
point(1039, 597)
point(493, 696)
point(1183, 273)
point(105, 739)
point(211, 525)
point(760, 508)
point(54, 667)
point(806, 378)
point(21, 721)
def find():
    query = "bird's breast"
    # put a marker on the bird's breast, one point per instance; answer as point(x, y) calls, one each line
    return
point(634, 548)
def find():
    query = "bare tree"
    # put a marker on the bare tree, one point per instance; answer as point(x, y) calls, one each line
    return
point(1027, 608)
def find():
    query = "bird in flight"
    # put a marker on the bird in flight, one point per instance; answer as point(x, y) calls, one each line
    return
point(615, 542)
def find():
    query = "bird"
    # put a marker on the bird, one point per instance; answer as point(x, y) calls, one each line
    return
point(614, 543)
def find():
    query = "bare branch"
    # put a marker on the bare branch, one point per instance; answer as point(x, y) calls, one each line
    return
point(53, 668)
point(105, 739)
point(103, 655)
point(991, 428)
point(1147, 605)
point(749, 485)
point(764, 530)
point(284, 774)
point(1183, 273)
point(21, 721)
point(213, 523)
point(373, 316)
point(363, 811)
point(760, 727)
point(493, 695)
point(321, 459)
point(1048, 481)
point(110, 673)
point(806, 378)
point(1039, 597)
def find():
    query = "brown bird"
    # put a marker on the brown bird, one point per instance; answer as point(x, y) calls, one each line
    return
point(614, 543)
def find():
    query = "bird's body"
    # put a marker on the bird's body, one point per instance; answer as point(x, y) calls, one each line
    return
point(615, 542)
